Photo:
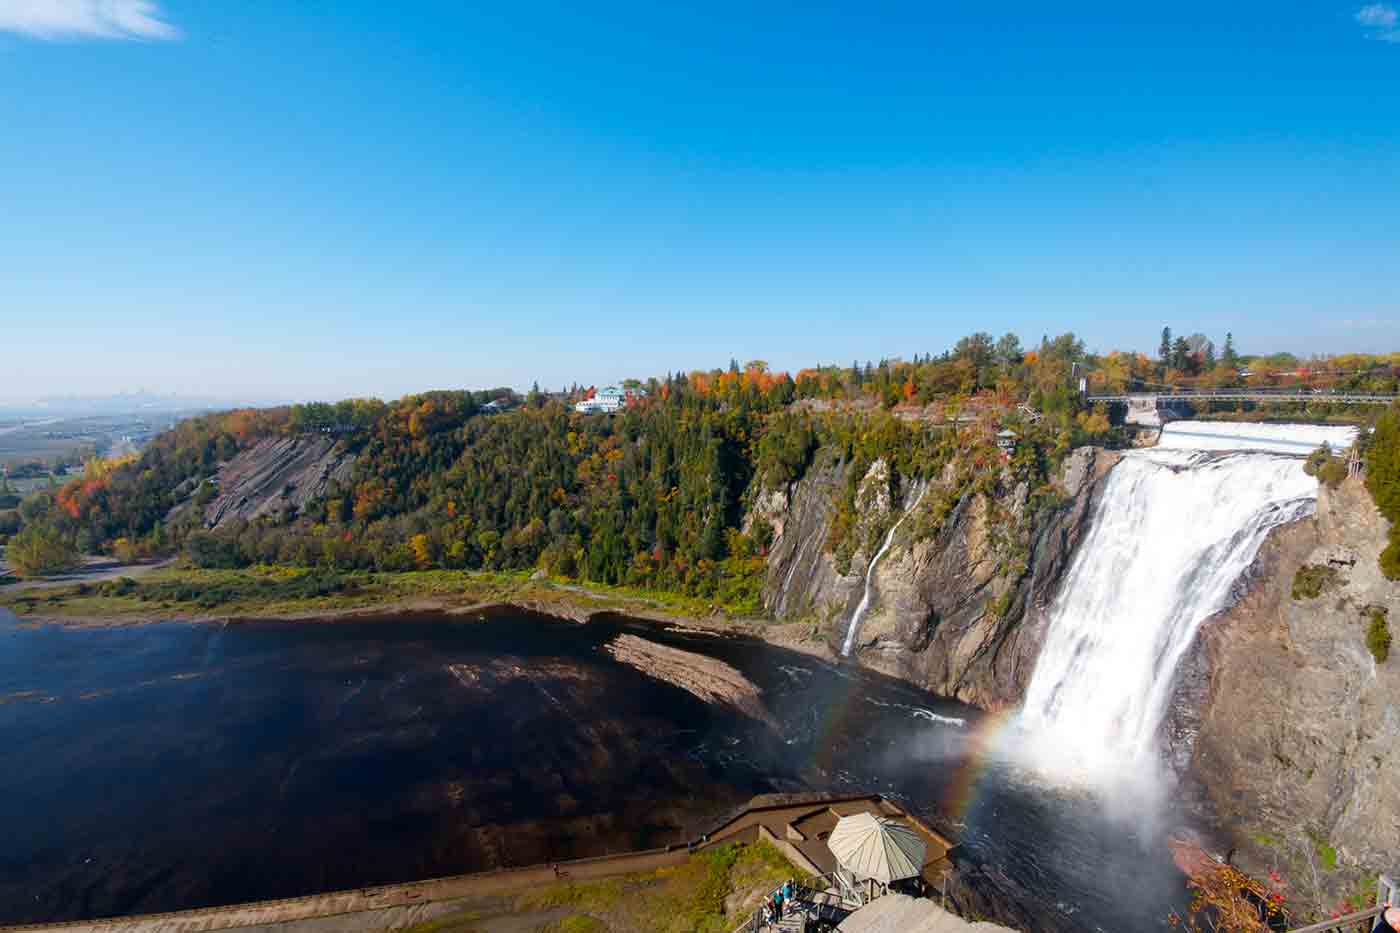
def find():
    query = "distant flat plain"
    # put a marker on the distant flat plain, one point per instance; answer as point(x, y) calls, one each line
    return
point(50, 438)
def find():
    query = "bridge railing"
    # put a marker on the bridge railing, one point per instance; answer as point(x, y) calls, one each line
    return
point(1300, 395)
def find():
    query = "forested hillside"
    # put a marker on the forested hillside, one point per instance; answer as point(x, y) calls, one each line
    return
point(654, 496)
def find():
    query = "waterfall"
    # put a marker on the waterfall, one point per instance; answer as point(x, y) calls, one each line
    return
point(1173, 530)
point(869, 577)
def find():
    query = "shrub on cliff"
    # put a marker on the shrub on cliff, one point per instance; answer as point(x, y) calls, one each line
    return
point(1329, 470)
point(1311, 579)
point(1331, 473)
point(1390, 557)
point(1378, 634)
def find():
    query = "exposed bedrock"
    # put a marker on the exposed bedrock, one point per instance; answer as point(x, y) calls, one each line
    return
point(1299, 725)
point(276, 475)
point(958, 602)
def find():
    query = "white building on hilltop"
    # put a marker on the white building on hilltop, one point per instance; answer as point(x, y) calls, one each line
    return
point(607, 400)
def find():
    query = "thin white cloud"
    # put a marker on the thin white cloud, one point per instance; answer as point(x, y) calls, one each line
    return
point(1381, 21)
point(85, 19)
point(1378, 14)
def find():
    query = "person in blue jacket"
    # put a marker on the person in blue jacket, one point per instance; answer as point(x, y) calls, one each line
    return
point(1389, 921)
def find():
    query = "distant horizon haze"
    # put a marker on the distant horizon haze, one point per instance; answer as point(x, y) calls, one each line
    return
point(256, 200)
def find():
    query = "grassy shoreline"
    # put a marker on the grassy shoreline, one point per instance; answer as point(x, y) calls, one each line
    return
point(310, 595)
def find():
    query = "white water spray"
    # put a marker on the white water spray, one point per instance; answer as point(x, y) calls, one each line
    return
point(869, 575)
point(1171, 534)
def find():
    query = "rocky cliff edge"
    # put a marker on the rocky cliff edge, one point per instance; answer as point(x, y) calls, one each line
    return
point(958, 603)
point(1299, 744)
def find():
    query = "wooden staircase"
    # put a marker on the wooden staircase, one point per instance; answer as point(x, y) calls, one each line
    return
point(794, 922)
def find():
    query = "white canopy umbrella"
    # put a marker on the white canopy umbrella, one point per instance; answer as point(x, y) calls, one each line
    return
point(873, 847)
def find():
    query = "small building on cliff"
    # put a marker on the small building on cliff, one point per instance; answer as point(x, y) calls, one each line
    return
point(609, 400)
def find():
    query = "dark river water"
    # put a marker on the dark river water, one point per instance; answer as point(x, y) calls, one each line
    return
point(181, 765)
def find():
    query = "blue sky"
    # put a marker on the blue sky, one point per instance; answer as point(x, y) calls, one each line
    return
point(292, 200)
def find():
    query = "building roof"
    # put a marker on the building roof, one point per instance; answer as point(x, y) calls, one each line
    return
point(877, 847)
point(899, 913)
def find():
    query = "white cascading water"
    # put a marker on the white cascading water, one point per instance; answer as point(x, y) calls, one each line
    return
point(1172, 532)
point(854, 625)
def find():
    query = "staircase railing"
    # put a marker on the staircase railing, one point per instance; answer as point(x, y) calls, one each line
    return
point(1361, 920)
point(848, 893)
point(808, 894)
point(1387, 894)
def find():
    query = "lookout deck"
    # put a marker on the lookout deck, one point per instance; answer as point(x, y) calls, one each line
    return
point(799, 828)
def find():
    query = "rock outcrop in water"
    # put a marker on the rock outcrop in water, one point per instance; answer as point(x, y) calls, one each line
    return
point(958, 602)
point(1299, 741)
point(708, 679)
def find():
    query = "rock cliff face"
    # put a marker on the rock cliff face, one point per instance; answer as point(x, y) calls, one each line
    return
point(275, 475)
point(1299, 742)
point(802, 577)
point(958, 602)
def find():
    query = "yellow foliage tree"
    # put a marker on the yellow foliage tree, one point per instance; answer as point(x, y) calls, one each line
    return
point(422, 551)
point(40, 550)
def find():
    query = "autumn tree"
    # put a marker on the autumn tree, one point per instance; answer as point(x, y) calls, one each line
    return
point(41, 550)
point(1225, 899)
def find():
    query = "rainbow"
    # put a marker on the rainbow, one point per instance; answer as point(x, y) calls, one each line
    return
point(985, 737)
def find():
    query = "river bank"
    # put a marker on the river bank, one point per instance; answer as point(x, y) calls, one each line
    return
point(284, 594)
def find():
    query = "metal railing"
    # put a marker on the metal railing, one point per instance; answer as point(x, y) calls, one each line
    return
point(846, 890)
point(1387, 892)
point(1361, 920)
point(1245, 395)
point(812, 897)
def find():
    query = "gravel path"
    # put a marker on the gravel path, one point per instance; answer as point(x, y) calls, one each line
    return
point(94, 570)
